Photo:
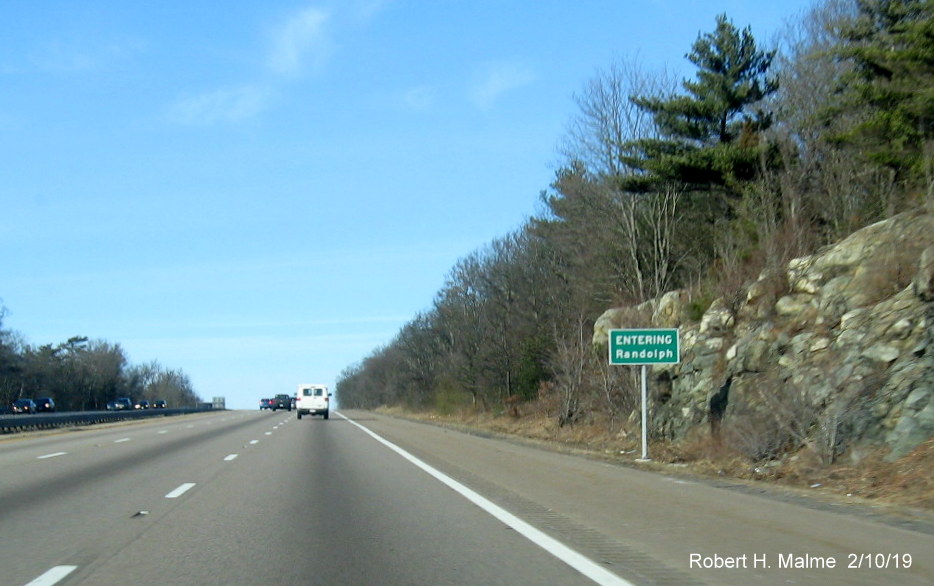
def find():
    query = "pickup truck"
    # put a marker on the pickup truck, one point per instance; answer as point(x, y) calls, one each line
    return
point(282, 402)
point(313, 400)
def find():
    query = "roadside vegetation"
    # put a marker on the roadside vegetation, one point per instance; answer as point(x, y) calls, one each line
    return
point(906, 482)
point(702, 184)
point(84, 375)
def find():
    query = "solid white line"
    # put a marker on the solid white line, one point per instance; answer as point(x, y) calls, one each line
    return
point(579, 562)
point(53, 576)
point(53, 455)
point(182, 489)
point(230, 457)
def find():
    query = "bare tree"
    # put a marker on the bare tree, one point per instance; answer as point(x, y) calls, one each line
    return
point(631, 232)
point(570, 366)
point(608, 120)
point(649, 224)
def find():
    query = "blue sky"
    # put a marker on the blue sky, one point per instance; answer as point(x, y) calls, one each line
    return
point(261, 193)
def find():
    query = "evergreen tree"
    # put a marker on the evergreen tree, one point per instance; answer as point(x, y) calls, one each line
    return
point(891, 86)
point(710, 135)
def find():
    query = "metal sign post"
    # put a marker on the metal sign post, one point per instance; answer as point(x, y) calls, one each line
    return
point(645, 413)
point(644, 347)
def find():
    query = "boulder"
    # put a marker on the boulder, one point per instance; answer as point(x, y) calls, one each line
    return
point(852, 342)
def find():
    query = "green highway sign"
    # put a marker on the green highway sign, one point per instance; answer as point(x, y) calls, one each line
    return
point(644, 346)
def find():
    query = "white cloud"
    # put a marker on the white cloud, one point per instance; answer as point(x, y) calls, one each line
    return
point(497, 79)
point(301, 41)
point(224, 105)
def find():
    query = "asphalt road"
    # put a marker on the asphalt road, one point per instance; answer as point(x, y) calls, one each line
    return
point(262, 498)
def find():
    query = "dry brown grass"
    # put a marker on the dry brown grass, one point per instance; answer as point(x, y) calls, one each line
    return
point(908, 481)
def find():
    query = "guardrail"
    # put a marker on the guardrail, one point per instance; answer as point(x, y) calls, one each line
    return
point(17, 423)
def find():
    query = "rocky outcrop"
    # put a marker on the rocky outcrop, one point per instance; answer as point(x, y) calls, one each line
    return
point(837, 353)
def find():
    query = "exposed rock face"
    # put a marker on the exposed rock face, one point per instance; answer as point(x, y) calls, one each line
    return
point(837, 353)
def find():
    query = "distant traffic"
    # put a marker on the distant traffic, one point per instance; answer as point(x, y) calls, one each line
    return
point(125, 403)
point(27, 406)
point(309, 399)
point(278, 402)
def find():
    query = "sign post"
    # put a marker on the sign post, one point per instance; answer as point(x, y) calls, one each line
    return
point(644, 347)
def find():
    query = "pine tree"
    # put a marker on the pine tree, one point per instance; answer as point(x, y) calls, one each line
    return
point(710, 134)
point(891, 86)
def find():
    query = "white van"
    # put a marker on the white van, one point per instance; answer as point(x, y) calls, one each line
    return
point(312, 400)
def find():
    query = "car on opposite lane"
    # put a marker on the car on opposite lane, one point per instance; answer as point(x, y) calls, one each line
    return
point(46, 404)
point(23, 406)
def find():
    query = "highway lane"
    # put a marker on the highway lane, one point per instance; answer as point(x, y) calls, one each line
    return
point(335, 508)
point(651, 527)
point(262, 498)
point(309, 502)
point(73, 495)
point(88, 453)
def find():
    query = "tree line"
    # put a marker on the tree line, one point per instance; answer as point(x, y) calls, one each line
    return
point(703, 185)
point(84, 375)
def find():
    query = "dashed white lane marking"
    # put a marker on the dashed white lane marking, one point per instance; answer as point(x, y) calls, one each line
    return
point(579, 562)
point(53, 576)
point(163, 431)
point(268, 433)
point(52, 455)
point(230, 457)
point(121, 440)
point(254, 442)
point(182, 489)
